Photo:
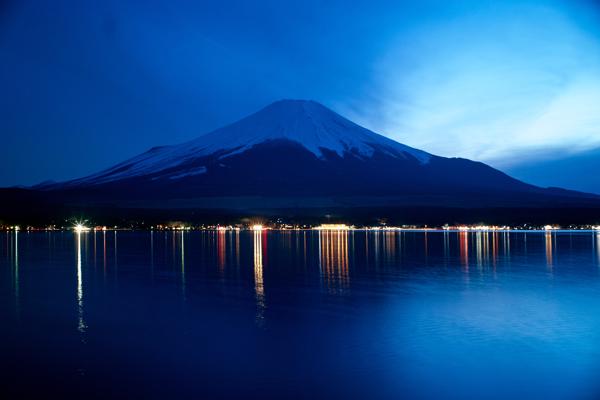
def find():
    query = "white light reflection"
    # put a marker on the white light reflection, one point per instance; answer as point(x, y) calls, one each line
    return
point(259, 287)
point(16, 275)
point(182, 266)
point(333, 259)
point(237, 248)
point(152, 253)
point(81, 325)
point(479, 249)
point(104, 253)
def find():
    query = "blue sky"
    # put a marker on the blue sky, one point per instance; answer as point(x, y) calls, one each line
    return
point(513, 84)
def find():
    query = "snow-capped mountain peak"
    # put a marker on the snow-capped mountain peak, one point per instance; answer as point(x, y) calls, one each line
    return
point(304, 122)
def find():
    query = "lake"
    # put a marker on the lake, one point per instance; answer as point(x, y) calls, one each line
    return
point(301, 314)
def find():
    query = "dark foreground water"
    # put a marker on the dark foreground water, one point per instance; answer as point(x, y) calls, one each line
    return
point(300, 314)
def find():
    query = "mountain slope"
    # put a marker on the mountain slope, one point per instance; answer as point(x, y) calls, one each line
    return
point(313, 126)
point(299, 149)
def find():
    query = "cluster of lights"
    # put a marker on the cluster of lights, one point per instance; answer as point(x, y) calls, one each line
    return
point(227, 228)
point(333, 227)
point(478, 228)
point(80, 228)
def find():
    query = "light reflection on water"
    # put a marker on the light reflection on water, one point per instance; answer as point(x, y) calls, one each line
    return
point(81, 326)
point(379, 314)
point(182, 251)
point(464, 250)
point(259, 285)
point(221, 248)
point(14, 251)
point(333, 259)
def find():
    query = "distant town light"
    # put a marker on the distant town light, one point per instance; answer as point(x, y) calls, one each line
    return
point(333, 227)
point(257, 227)
point(80, 228)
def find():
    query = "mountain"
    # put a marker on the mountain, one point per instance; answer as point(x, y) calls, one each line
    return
point(300, 153)
point(295, 124)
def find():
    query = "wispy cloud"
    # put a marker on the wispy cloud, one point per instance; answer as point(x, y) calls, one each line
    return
point(493, 83)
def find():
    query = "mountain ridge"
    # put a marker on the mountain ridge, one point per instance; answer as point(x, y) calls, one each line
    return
point(306, 122)
point(301, 151)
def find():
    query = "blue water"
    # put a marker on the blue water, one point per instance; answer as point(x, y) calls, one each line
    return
point(301, 314)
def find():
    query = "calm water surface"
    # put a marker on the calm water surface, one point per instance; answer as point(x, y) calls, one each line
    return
point(301, 314)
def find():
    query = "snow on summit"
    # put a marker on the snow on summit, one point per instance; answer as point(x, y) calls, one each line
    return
point(306, 122)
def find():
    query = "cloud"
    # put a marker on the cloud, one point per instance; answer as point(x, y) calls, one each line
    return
point(489, 84)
